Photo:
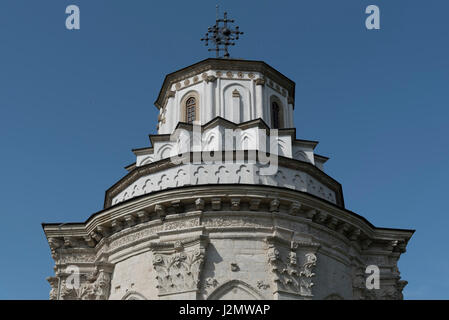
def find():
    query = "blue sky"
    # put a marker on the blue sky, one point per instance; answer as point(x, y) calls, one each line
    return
point(74, 103)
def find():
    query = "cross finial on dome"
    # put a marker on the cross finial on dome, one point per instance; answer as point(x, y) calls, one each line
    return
point(222, 35)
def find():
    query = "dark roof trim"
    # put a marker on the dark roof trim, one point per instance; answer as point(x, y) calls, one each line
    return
point(130, 167)
point(141, 151)
point(321, 158)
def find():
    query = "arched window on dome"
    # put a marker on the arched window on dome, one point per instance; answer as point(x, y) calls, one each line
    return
point(275, 115)
point(276, 112)
point(190, 110)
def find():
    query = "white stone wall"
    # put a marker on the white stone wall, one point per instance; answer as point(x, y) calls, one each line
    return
point(224, 173)
point(216, 98)
point(226, 243)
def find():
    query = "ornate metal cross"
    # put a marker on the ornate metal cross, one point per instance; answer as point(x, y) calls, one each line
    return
point(222, 35)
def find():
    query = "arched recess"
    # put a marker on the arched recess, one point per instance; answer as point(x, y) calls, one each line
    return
point(237, 103)
point(281, 147)
point(235, 290)
point(334, 296)
point(301, 156)
point(133, 295)
point(246, 141)
point(274, 100)
point(147, 160)
point(165, 151)
point(210, 142)
point(183, 110)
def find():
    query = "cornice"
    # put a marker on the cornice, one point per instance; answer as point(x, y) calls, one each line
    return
point(321, 158)
point(296, 206)
point(224, 64)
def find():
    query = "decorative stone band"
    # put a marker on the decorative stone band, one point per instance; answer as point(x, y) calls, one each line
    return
point(171, 210)
point(166, 174)
point(224, 173)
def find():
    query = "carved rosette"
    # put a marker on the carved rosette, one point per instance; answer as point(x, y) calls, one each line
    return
point(179, 269)
point(292, 275)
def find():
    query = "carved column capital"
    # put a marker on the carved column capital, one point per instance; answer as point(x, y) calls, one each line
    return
point(292, 266)
point(260, 82)
point(178, 265)
point(211, 79)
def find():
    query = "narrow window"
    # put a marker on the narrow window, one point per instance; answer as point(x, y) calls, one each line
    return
point(275, 115)
point(191, 110)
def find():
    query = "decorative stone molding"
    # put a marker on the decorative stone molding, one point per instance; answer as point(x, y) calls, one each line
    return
point(116, 225)
point(54, 283)
point(75, 256)
point(216, 203)
point(211, 79)
point(211, 283)
point(343, 228)
point(254, 204)
point(160, 211)
point(178, 265)
point(290, 276)
point(262, 285)
point(355, 234)
point(274, 205)
point(103, 231)
point(130, 220)
point(235, 204)
point(224, 174)
point(177, 206)
point(95, 236)
point(142, 216)
point(94, 286)
point(234, 267)
point(295, 208)
point(199, 204)
point(89, 241)
point(260, 82)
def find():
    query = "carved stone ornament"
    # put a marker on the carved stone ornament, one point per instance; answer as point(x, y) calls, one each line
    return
point(260, 82)
point(262, 285)
point(386, 291)
point(211, 79)
point(289, 276)
point(178, 268)
point(211, 283)
point(178, 272)
point(95, 286)
point(54, 282)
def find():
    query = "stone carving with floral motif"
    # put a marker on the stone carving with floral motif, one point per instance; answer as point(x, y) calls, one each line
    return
point(288, 276)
